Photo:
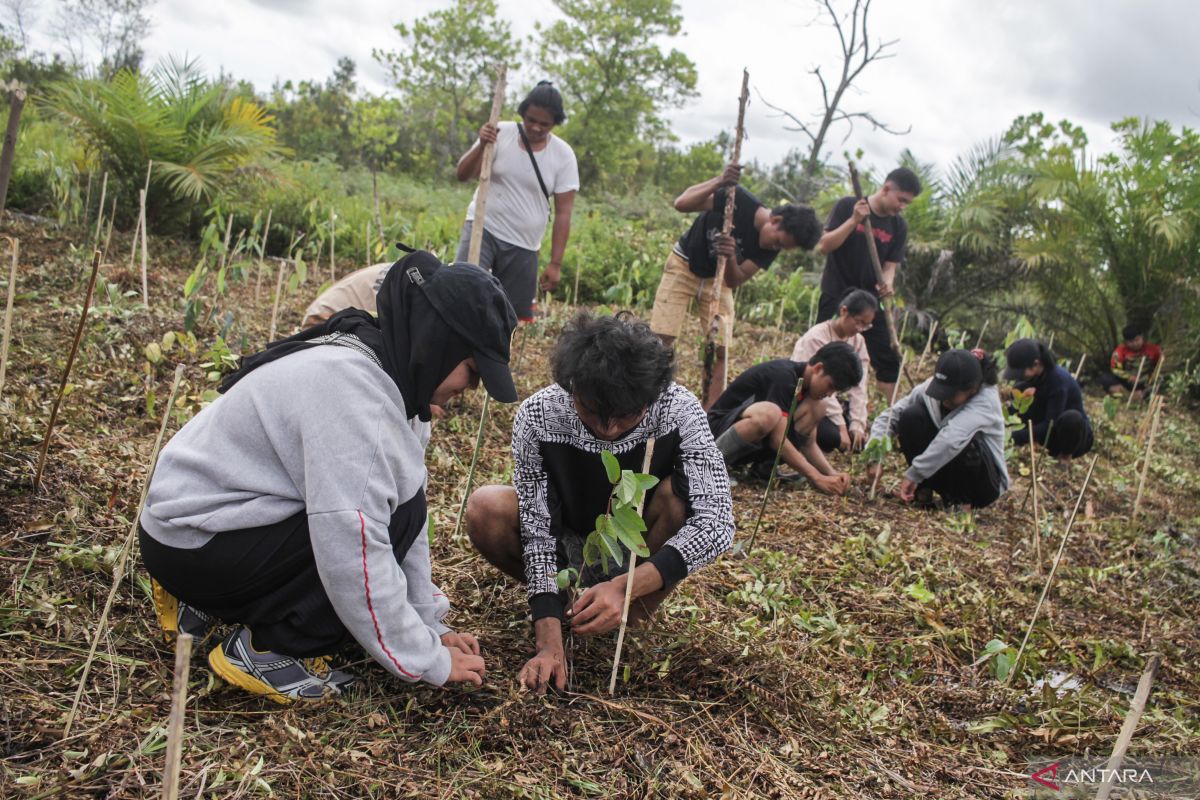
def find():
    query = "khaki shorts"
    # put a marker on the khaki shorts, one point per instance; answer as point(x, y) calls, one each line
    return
point(675, 293)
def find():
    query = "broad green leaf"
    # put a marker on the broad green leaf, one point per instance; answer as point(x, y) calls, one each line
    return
point(612, 546)
point(627, 518)
point(293, 282)
point(153, 353)
point(168, 341)
point(628, 490)
point(611, 466)
point(221, 281)
point(646, 482)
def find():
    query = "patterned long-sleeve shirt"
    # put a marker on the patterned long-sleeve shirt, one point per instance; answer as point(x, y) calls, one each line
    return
point(561, 483)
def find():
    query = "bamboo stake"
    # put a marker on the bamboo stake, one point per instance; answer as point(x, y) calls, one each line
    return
point(1053, 569)
point(126, 548)
point(578, 272)
point(112, 218)
point(891, 405)
point(982, 331)
point(183, 662)
point(62, 386)
point(1129, 726)
point(228, 233)
point(1079, 369)
point(774, 469)
point(715, 322)
point(145, 253)
point(1144, 427)
point(462, 507)
point(15, 244)
point(1037, 528)
point(812, 308)
point(275, 305)
point(262, 252)
point(485, 170)
point(962, 338)
point(1136, 381)
point(612, 680)
point(928, 345)
point(1157, 412)
point(1050, 344)
point(332, 247)
point(100, 211)
point(367, 243)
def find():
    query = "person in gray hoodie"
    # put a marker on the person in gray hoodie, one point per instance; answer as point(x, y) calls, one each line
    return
point(293, 507)
point(951, 431)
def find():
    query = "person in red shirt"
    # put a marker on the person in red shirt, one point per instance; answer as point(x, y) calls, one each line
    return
point(1123, 367)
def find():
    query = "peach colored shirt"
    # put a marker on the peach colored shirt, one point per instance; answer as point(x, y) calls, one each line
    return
point(807, 346)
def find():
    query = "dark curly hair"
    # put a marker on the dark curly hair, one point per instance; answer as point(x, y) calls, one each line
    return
point(614, 366)
point(801, 223)
point(841, 363)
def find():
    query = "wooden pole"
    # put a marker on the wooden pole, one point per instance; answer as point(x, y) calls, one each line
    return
point(119, 568)
point(1053, 569)
point(462, 507)
point(578, 272)
point(145, 253)
point(612, 679)
point(16, 104)
point(928, 345)
point(982, 331)
point(873, 251)
point(367, 243)
point(100, 211)
point(15, 244)
point(228, 233)
point(62, 386)
point(891, 404)
point(1136, 381)
point(774, 468)
point(1037, 527)
point(112, 218)
point(275, 305)
point(332, 247)
point(1129, 726)
point(1157, 411)
point(183, 662)
point(715, 322)
point(262, 252)
point(1079, 369)
point(485, 170)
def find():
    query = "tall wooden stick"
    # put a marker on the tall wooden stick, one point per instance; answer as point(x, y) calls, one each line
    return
point(1037, 527)
point(16, 104)
point(367, 243)
point(891, 405)
point(762, 508)
point(873, 252)
point(1157, 411)
point(100, 211)
point(62, 386)
point(275, 305)
point(578, 272)
point(332, 247)
point(1136, 381)
point(1079, 369)
point(262, 253)
point(612, 680)
point(183, 662)
point(15, 244)
point(225, 248)
point(982, 331)
point(1129, 726)
point(715, 321)
point(119, 568)
point(1054, 568)
point(928, 345)
point(145, 253)
point(485, 170)
point(462, 507)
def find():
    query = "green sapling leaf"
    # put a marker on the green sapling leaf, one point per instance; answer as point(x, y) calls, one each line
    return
point(611, 466)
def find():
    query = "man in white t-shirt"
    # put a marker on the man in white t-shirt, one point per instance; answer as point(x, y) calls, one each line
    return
point(518, 203)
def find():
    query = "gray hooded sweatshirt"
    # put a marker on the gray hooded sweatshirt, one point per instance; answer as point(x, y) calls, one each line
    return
point(955, 430)
point(324, 431)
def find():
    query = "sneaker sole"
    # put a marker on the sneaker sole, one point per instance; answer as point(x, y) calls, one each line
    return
point(236, 677)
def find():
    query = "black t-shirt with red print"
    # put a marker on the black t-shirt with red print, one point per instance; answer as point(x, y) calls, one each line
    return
point(849, 267)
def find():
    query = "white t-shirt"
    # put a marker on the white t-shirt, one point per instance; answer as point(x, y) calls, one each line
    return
point(517, 210)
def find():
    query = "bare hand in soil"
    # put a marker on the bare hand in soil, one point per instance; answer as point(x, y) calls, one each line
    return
point(598, 610)
point(465, 642)
point(548, 665)
point(832, 484)
point(465, 667)
point(907, 491)
point(858, 440)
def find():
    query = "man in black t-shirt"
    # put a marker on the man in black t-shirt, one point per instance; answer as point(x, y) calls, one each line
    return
point(848, 265)
point(750, 418)
point(758, 235)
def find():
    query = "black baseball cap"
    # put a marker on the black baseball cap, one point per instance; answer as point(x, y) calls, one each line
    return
point(472, 302)
point(956, 370)
point(1019, 357)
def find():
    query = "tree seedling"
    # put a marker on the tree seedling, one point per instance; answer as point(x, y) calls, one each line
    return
point(876, 452)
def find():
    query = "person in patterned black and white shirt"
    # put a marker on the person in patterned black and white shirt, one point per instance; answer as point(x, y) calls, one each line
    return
point(614, 390)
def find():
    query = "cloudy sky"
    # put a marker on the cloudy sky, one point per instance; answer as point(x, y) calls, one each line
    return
point(961, 70)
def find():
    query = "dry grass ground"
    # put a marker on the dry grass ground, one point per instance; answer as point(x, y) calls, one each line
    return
point(840, 660)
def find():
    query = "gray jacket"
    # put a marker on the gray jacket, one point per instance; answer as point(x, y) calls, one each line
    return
point(955, 430)
point(324, 431)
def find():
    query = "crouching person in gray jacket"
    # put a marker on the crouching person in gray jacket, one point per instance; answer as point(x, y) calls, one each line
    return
point(951, 431)
point(293, 507)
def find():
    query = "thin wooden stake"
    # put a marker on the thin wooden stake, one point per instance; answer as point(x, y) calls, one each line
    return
point(183, 663)
point(485, 170)
point(225, 247)
point(1037, 528)
point(112, 218)
point(145, 253)
point(62, 386)
point(982, 331)
point(462, 507)
point(367, 243)
point(100, 211)
point(928, 345)
point(1157, 411)
point(774, 469)
point(1053, 569)
point(578, 272)
point(1136, 381)
point(15, 244)
point(332, 247)
point(612, 680)
point(1129, 726)
point(119, 568)
point(1079, 369)
point(891, 404)
point(275, 305)
point(16, 103)
point(262, 253)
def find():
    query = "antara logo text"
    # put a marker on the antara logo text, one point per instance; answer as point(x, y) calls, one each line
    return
point(1049, 777)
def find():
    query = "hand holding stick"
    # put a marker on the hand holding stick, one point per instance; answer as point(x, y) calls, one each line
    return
point(485, 170)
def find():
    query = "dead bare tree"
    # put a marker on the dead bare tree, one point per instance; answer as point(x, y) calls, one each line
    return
point(858, 53)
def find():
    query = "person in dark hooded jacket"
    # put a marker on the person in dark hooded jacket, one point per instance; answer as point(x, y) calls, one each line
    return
point(1060, 422)
point(293, 507)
